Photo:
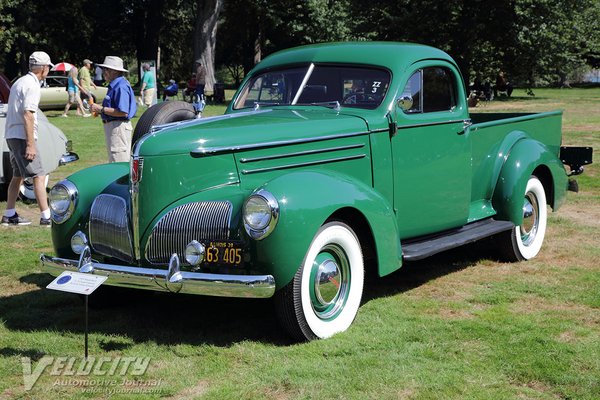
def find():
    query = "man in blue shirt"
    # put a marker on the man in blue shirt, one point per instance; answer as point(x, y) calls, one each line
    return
point(170, 90)
point(117, 110)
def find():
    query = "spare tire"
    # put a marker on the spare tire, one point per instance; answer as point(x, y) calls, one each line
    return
point(162, 113)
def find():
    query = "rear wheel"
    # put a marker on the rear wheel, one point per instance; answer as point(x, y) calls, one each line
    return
point(162, 113)
point(525, 241)
point(325, 294)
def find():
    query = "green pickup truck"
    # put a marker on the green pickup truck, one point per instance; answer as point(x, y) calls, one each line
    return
point(331, 161)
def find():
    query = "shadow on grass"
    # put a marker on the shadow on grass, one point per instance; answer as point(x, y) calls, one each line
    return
point(417, 273)
point(144, 316)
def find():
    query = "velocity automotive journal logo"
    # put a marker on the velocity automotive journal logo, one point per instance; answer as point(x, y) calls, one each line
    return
point(106, 373)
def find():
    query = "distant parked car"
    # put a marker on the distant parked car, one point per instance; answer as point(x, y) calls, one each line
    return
point(54, 92)
point(57, 149)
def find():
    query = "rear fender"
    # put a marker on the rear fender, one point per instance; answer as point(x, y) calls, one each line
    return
point(306, 201)
point(528, 157)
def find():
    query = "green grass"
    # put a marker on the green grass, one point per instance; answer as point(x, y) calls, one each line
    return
point(457, 326)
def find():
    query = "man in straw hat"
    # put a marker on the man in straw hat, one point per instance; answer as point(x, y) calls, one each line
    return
point(117, 109)
point(21, 136)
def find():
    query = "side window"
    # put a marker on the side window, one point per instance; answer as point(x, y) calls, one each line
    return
point(413, 89)
point(439, 93)
point(432, 89)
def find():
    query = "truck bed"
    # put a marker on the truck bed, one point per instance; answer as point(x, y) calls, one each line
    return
point(492, 137)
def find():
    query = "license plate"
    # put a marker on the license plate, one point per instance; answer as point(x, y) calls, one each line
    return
point(223, 253)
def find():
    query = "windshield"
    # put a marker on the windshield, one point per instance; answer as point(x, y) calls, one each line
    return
point(360, 87)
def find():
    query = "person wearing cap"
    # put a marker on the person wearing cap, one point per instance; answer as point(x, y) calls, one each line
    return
point(74, 88)
point(117, 110)
point(85, 79)
point(200, 78)
point(148, 85)
point(21, 137)
point(171, 90)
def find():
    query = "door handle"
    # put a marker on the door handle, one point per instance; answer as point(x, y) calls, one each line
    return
point(466, 124)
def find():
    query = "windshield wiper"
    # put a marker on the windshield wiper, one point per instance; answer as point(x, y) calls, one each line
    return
point(329, 104)
point(258, 104)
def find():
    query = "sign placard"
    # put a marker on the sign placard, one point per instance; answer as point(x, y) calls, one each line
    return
point(76, 282)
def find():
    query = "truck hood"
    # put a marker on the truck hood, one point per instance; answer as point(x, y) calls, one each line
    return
point(240, 130)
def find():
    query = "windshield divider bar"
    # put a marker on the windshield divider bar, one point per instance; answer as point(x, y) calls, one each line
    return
point(303, 84)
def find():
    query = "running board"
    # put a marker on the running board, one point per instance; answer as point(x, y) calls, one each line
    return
point(420, 248)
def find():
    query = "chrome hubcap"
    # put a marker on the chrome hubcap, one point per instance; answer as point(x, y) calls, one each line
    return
point(327, 282)
point(530, 223)
point(330, 282)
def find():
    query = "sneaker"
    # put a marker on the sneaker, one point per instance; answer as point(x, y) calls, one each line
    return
point(45, 222)
point(87, 115)
point(14, 220)
point(64, 115)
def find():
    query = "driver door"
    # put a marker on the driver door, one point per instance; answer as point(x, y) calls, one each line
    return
point(431, 153)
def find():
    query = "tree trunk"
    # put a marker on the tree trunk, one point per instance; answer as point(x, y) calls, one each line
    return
point(148, 19)
point(205, 37)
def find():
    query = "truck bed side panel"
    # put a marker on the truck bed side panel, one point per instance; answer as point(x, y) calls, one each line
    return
point(492, 142)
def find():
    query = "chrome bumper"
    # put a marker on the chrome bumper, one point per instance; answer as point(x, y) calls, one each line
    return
point(170, 280)
point(68, 158)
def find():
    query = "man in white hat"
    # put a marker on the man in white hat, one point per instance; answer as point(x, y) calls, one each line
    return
point(21, 137)
point(117, 110)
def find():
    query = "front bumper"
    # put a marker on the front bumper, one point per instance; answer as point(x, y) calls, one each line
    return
point(170, 280)
point(68, 158)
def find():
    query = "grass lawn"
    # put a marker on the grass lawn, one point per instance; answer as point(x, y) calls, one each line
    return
point(457, 326)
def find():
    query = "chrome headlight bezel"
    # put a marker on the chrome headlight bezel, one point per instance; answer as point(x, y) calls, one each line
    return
point(79, 242)
point(70, 194)
point(194, 253)
point(271, 208)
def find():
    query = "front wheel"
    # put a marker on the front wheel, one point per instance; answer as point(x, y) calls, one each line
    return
point(525, 241)
point(325, 294)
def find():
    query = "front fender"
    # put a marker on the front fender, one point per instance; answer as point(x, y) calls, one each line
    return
point(306, 201)
point(528, 157)
point(89, 182)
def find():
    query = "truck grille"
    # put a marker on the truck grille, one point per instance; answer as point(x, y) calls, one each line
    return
point(178, 227)
point(109, 227)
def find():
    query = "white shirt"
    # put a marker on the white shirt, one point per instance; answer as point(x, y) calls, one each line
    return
point(24, 96)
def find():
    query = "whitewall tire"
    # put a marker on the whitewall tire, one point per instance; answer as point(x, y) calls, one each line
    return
point(325, 294)
point(525, 241)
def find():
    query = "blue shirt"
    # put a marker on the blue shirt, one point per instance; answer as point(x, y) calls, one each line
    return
point(120, 96)
point(172, 87)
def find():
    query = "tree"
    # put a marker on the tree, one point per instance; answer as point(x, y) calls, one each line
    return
point(205, 36)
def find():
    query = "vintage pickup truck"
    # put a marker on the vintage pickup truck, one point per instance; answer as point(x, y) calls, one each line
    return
point(331, 161)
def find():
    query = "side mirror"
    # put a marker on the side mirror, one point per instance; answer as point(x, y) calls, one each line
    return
point(405, 102)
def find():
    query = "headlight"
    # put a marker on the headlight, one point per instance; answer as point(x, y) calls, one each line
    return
point(63, 199)
point(261, 212)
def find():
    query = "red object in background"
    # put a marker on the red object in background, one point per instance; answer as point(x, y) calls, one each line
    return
point(4, 89)
point(62, 66)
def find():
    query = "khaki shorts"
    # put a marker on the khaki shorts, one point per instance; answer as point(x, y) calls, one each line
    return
point(148, 97)
point(22, 167)
point(118, 140)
